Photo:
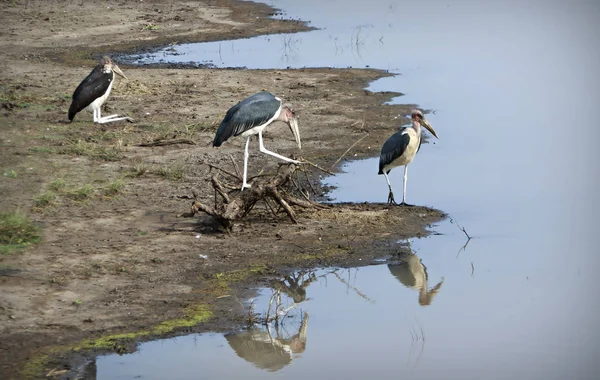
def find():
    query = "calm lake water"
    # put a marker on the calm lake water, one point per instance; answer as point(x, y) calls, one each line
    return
point(515, 87)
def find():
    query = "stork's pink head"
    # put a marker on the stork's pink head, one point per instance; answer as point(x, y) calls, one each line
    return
point(287, 112)
point(417, 117)
point(108, 65)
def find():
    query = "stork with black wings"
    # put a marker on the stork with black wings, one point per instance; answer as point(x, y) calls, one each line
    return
point(93, 91)
point(401, 148)
point(250, 117)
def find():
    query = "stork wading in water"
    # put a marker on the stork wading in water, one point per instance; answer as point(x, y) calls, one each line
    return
point(250, 117)
point(401, 148)
point(93, 91)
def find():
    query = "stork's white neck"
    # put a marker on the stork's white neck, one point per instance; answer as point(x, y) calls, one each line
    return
point(416, 126)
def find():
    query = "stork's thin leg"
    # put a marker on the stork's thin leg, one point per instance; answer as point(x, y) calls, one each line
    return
point(391, 195)
point(404, 194)
point(246, 155)
point(264, 150)
point(107, 119)
point(405, 179)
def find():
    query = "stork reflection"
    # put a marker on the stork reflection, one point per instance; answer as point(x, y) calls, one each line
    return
point(267, 350)
point(412, 273)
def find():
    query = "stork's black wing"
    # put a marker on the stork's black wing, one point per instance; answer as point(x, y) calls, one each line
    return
point(90, 89)
point(250, 112)
point(393, 148)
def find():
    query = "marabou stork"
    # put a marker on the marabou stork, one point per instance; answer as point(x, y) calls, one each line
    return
point(93, 91)
point(250, 117)
point(401, 148)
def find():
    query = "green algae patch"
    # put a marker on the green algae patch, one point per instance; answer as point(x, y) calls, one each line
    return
point(110, 342)
point(194, 316)
point(224, 279)
point(34, 367)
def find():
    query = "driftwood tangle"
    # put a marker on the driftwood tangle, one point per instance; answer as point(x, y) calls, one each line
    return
point(236, 204)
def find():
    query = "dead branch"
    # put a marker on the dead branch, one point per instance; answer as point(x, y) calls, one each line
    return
point(235, 205)
point(275, 194)
point(168, 142)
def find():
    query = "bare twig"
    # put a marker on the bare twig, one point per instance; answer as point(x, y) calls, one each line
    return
point(310, 184)
point(464, 247)
point(269, 205)
point(472, 269)
point(347, 150)
point(168, 142)
point(235, 166)
point(461, 228)
point(212, 166)
point(317, 167)
point(299, 189)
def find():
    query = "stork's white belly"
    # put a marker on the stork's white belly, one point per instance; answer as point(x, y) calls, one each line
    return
point(96, 104)
point(410, 152)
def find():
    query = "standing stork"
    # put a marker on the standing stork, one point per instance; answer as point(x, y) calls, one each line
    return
point(250, 117)
point(401, 148)
point(93, 91)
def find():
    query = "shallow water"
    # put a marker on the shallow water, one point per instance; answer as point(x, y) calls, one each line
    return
point(515, 87)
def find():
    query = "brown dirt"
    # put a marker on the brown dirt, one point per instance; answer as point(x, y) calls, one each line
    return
point(114, 257)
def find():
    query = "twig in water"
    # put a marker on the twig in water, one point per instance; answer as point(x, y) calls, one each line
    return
point(462, 229)
point(464, 247)
point(472, 269)
point(466, 234)
point(347, 150)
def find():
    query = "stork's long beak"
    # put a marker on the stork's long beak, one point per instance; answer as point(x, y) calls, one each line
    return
point(429, 127)
point(118, 71)
point(293, 123)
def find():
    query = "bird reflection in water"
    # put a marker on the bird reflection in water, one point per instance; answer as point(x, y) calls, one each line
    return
point(294, 285)
point(267, 350)
point(411, 272)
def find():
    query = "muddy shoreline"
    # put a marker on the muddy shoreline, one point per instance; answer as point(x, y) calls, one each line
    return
point(115, 265)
